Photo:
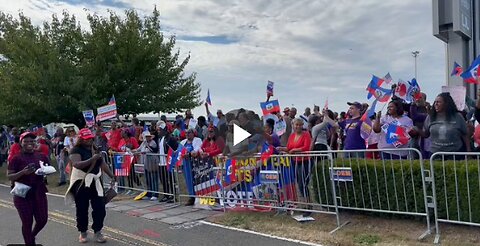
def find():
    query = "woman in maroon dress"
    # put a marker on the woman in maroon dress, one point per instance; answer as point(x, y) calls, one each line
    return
point(22, 170)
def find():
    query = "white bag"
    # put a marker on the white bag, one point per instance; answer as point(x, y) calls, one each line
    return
point(45, 170)
point(20, 190)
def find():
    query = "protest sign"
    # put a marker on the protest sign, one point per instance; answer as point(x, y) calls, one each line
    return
point(89, 117)
point(458, 93)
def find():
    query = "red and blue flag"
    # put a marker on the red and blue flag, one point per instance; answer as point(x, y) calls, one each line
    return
point(174, 158)
point(267, 151)
point(231, 171)
point(123, 164)
point(112, 100)
point(270, 107)
point(471, 74)
point(396, 135)
point(374, 89)
point(457, 70)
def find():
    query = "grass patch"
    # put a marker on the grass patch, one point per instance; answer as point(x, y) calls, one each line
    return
point(366, 239)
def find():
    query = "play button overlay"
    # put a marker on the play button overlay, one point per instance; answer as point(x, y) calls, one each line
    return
point(239, 134)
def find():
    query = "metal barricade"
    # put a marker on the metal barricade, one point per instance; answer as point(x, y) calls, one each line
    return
point(279, 182)
point(456, 188)
point(380, 184)
point(144, 172)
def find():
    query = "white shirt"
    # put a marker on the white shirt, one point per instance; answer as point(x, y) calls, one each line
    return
point(196, 143)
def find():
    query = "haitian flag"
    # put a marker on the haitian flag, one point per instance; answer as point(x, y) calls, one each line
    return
point(457, 69)
point(374, 89)
point(396, 135)
point(174, 158)
point(267, 151)
point(123, 164)
point(270, 88)
point(408, 91)
point(270, 107)
point(231, 171)
point(471, 74)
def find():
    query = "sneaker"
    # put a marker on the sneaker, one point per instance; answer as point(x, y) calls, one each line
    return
point(83, 237)
point(153, 198)
point(164, 199)
point(99, 238)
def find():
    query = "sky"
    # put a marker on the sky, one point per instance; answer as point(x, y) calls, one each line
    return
point(313, 50)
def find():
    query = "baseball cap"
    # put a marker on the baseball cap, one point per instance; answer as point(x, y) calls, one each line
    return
point(356, 104)
point(161, 124)
point(286, 109)
point(27, 134)
point(85, 134)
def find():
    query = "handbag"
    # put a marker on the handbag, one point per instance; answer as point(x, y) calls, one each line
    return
point(20, 189)
point(109, 195)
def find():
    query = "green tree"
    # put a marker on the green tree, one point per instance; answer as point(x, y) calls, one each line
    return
point(52, 73)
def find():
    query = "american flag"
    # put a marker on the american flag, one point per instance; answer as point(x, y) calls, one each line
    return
point(387, 78)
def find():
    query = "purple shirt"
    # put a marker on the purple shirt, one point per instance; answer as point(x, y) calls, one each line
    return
point(353, 139)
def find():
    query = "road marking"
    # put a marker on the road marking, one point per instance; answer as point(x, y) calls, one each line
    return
point(260, 234)
point(69, 221)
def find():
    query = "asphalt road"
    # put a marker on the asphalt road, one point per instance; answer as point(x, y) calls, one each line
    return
point(121, 229)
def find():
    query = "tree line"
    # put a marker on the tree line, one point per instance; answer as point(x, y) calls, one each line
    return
point(50, 73)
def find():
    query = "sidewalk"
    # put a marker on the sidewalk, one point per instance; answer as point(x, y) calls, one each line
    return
point(174, 214)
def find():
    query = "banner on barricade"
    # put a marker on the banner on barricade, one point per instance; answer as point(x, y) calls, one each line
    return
point(255, 182)
point(122, 164)
point(341, 174)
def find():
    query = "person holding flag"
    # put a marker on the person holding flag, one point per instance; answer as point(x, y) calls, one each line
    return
point(192, 146)
point(394, 130)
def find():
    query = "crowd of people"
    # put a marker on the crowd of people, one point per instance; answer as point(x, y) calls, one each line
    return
point(431, 128)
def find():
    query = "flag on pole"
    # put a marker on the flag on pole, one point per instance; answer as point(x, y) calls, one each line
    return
point(209, 101)
point(471, 74)
point(374, 89)
point(270, 107)
point(366, 127)
point(457, 70)
point(112, 100)
point(270, 88)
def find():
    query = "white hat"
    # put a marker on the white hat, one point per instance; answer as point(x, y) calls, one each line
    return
point(147, 134)
point(161, 124)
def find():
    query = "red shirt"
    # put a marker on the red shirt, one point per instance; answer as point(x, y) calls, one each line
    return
point(213, 148)
point(114, 140)
point(15, 149)
point(123, 143)
point(303, 142)
point(21, 160)
point(44, 149)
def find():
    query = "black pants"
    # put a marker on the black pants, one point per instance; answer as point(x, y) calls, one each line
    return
point(167, 180)
point(82, 198)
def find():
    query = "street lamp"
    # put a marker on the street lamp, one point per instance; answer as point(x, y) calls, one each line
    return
point(415, 54)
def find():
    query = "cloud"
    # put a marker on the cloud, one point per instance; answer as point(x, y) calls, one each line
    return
point(312, 49)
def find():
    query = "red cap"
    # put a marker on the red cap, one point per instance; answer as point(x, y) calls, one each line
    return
point(27, 134)
point(85, 134)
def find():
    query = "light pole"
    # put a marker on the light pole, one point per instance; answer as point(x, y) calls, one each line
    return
point(415, 54)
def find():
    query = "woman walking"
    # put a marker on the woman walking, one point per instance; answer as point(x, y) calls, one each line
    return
point(86, 186)
point(21, 169)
